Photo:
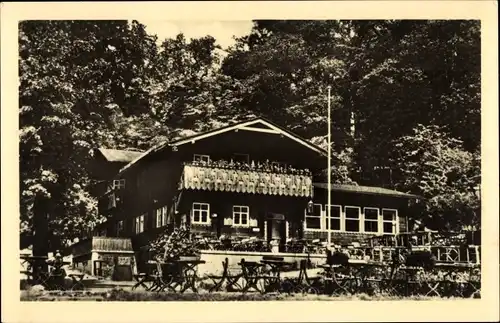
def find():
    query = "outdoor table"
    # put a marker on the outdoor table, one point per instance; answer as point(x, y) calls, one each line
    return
point(190, 273)
point(231, 280)
point(455, 286)
point(252, 273)
point(276, 267)
point(367, 274)
point(176, 273)
point(34, 268)
point(333, 280)
point(146, 277)
point(77, 281)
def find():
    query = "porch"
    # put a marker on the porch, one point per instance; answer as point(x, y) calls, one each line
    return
point(104, 257)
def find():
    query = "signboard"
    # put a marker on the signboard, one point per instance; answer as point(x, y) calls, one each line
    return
point(124, 261)
point(275, 216)
point(255, 229)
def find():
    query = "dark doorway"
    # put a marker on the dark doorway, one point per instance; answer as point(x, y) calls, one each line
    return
point(276, 228)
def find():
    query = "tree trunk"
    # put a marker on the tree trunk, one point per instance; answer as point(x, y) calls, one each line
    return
point(41, 230)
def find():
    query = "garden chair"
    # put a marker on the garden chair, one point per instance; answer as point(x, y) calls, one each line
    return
point(231, 280)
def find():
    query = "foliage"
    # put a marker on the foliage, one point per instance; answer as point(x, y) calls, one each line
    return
point(406, 73)
point(76, 78)
point(389, 75)
point(438, 168)
point(170, 246)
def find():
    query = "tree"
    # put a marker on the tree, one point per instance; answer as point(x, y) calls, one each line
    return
point(388, 75)
point(406, 73)
point(189, 93)
point(437, 167)
point(285, 69)
point(75, 77)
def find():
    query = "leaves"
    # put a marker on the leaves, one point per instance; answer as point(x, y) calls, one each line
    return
point(437, 167)
point(71, 72)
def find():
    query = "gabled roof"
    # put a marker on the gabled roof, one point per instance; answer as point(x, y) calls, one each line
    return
point(255, 125)
point(122, 156)
point(370, 190)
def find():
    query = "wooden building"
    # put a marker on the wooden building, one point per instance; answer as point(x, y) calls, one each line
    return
point(253, 178)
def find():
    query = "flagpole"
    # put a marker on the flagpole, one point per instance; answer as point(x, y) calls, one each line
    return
point(329, 209)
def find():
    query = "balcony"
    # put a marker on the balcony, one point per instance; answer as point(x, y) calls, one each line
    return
point(110, 200)
point(244, 178)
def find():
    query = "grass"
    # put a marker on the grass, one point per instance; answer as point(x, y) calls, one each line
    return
point(125, 295)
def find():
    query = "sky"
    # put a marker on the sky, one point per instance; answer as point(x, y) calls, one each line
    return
point(222, 31)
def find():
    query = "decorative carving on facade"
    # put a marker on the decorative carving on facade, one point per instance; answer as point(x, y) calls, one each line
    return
point(246, 181)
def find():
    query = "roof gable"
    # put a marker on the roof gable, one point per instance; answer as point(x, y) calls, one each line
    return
point(255, 125)
point(122, 156)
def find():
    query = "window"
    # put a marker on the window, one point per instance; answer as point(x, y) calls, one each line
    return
point(241, 216)
point(334, 223)
point(118, 184)
point(201, 158)
point(161, 216)
point(371, 219)
point(352, 218)
point(200, 213)
point(241, 158)
point(390, 221)
point(313, 221)
point(119, 228)
point(139, 224)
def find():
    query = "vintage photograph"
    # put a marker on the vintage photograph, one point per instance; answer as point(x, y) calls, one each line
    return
point(259, 160)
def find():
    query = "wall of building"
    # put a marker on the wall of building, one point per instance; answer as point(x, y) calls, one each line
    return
point(221, 203)
point(344, 199)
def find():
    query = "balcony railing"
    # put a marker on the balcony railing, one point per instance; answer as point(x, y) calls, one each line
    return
point(215, 176)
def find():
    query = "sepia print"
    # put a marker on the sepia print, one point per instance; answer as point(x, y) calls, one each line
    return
point(250, 160)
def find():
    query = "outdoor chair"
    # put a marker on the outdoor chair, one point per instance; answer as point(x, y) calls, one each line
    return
point(231, 280)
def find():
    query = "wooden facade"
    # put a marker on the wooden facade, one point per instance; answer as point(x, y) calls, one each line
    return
point(249, 179)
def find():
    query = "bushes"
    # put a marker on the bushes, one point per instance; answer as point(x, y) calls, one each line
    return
point(169, 246)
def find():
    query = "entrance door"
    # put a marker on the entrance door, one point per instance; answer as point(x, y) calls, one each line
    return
point(276, 227)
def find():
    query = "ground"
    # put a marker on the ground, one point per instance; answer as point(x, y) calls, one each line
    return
point(140, 295)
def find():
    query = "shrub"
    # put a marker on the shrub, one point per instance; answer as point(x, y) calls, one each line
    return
point(170, 246)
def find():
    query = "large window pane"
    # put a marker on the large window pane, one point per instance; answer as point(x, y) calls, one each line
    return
point(313, 222)
point(389, 215)
point(351, 212)
point(334, 221)
point(352, 225)
point(335, 224)
point(389, 227)
point(371, 226)
point(371, 214)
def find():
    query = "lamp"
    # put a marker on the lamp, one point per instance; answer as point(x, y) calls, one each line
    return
point(310, 207)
